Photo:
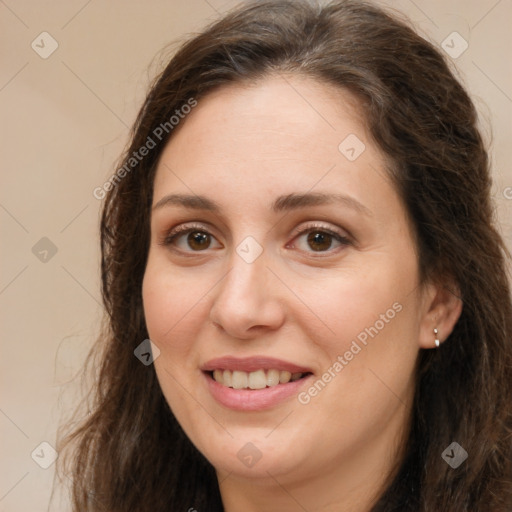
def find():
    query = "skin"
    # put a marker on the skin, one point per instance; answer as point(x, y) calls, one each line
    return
point(242, 147)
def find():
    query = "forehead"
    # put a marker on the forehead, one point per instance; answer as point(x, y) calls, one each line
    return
point(277, 111)
point(282, 132)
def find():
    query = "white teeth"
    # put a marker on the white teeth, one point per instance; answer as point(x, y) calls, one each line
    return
point(239, 380)
point(284, 377)
point(272, 378)
point(257, 380)
point(228, 381)
point(254, 380)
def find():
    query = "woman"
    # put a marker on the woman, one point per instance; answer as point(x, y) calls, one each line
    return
point(302, 227)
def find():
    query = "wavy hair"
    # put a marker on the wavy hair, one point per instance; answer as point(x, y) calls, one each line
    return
point(129, 453)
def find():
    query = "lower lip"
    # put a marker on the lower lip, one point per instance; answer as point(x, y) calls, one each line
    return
point(253, 399)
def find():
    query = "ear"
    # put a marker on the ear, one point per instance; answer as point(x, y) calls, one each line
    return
point(442, 307)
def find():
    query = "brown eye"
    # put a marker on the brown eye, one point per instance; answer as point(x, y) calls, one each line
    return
point(319, 241)
point(198, 240)
point(191, 239)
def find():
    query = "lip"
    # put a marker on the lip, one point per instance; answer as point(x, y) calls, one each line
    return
point(252, 364)
point(253, 399)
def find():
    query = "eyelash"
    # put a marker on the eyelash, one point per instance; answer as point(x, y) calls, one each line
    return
point(185, 229)
point(315, 227)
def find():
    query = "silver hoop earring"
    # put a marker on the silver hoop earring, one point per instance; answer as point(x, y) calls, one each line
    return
point(437, 339)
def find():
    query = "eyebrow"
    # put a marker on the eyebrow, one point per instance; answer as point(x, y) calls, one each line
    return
point(283, 203)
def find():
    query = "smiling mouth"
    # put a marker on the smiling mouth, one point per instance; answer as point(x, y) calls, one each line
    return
point(259, 379)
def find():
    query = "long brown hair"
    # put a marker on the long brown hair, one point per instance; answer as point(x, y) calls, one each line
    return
point(129, 453)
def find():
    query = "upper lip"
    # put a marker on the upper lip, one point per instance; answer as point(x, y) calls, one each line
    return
point(252, 364)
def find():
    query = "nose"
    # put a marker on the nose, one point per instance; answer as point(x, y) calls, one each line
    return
point(247, 303)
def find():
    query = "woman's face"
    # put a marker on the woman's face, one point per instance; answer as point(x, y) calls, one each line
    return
point(282, 285)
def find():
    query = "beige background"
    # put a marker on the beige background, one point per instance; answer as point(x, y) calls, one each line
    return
point(65, 120)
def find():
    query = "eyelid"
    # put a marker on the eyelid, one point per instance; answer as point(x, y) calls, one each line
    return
point(171, 234)
point(342, 236)
point(321, 227)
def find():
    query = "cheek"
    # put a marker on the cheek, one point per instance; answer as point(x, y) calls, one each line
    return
point(173, 307)
point(366, 327)
point(356, 302)
point(174, 315)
